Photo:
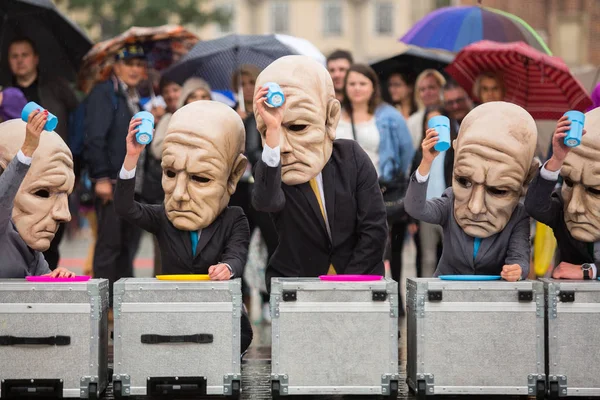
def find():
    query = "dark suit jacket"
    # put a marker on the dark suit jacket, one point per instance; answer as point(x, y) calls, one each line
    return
point(547, 206)
point(510, 246)
point(355, 209)
point(226, 240)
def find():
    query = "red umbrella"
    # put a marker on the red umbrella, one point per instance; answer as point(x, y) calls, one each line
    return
point(541, 84)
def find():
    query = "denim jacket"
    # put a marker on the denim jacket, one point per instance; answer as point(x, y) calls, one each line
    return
point(395, 143)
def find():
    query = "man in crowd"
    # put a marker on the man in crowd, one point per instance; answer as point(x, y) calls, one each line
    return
point(53, 94)
point(338, 64)
point(110, 107)
point(456, 102)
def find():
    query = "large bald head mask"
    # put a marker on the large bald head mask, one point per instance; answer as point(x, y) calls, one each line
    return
point(581, 187)
point(202, 163)
point(310, 116)
point(494, 162)
point(41, 203)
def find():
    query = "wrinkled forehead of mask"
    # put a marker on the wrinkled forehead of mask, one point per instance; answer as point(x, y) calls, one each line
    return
point(51, 146)
point(502, 127)
point(302, 76)
point(208, 121)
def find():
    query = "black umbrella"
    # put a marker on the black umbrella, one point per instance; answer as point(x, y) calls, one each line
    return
point(60, 43)
point(412, 60)
point(215, 61)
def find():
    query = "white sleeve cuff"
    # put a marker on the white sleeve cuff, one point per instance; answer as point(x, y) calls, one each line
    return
point(23, 158)
point(549, 175)
point(594, 271)
point(421, 178)
point(230, 270)
point(270, 156)
point(124, 174)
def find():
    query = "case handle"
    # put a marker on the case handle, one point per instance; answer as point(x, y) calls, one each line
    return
point(48, 341)
point(200, 338)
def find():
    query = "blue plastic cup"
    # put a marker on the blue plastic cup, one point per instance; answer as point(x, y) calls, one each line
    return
point(573, 138)
point(441, 124)
point(275, 96)
point(32, 106)
point(146, 128)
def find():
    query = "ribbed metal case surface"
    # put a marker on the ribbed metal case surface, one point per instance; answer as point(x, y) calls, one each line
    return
point(573, 328)
point(478, 337)
point(334, 337)
point(147, 306)
point(33, 312)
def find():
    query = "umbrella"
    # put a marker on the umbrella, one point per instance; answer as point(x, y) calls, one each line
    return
point(215, 61)
point(412, 60)
point(162, 45)
point(60, 43)
point(452, 28)
point(540, 83)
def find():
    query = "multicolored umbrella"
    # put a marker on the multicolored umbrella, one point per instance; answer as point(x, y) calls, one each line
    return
point(163, 45)
point(452, 28)
point(541, 84)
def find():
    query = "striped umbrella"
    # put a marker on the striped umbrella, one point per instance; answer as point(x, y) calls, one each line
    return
point(452, 28)
point(541, 84)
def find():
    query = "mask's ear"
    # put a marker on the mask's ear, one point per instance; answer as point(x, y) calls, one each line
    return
point(334, 110)
point(239, 166)
point(533, 170)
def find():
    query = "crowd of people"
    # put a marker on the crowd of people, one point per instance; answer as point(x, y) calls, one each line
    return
point(394, 138)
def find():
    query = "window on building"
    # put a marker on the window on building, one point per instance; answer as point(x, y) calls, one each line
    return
point(442, 3)
point(384, 17)
point(280, 16)
point(332, 18)
point(226, 8)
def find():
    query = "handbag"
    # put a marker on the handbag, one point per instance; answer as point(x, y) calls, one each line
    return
point(393, 189)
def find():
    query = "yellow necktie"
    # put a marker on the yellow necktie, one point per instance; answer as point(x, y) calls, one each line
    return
point(315, 189)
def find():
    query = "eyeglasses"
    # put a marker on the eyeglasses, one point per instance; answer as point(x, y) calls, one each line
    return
point(459, 101)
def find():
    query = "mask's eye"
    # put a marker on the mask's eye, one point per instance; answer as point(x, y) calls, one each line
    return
point(464, 182)
point(200, 179)
point(594, 191)
point(297, 127)
point(568, 182)
point(170, 173)
point(497, 192)
point(43, 193)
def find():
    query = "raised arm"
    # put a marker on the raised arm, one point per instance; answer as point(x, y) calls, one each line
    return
point(434, 211)
point(145, 216)
point(267, 194)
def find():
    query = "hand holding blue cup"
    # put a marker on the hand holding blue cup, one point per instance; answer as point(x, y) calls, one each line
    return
point(275, 96)
point(441, 124)
point(145, 131)
point(30, 107)
point(577, 119)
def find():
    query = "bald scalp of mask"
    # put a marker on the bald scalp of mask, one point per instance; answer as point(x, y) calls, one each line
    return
point(310, 116)
point(581, 183)
point(494, 154)
point(202, 163)
point(41, 203)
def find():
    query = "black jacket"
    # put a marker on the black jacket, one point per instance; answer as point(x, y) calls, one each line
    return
point(106, 130)
point(546, 205)
point(355, 210)
point(226, 240)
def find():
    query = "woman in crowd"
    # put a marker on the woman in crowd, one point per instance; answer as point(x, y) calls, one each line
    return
point(428, 93)
point(402, 93)
point(489, 86)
